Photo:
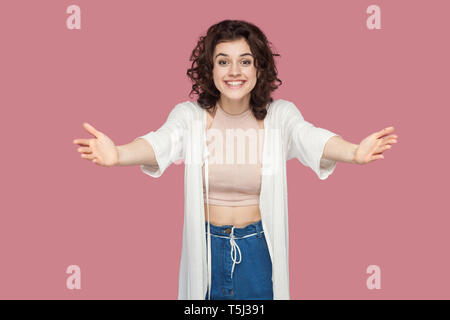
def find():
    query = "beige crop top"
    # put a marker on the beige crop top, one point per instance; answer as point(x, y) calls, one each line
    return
point(234, 162)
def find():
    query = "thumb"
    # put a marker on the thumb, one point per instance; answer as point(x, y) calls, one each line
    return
point(91, 130)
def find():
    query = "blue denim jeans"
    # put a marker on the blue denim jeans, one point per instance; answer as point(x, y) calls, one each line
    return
point(241, 265)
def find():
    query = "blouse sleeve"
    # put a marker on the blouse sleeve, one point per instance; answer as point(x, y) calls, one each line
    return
point(307, 142)
point(167, 142)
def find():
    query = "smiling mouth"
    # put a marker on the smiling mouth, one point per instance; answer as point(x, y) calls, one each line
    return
point(235, 84)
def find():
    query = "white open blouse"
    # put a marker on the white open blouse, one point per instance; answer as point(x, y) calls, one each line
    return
point(286, 135)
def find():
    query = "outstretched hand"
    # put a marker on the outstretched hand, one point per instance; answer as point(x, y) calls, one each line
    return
point(101, 150)
point(372, 147)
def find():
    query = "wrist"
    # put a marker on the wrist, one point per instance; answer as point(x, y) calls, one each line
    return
point(118, 152)
point(355, 149)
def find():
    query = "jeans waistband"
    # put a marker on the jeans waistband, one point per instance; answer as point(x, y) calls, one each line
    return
point(232, 233)
point(225, 231)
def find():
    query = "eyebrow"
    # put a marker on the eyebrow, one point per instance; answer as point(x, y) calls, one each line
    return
point(223, 54)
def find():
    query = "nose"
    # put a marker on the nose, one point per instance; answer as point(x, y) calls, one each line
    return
point(235, 69)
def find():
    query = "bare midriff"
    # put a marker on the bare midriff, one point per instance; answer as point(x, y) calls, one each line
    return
point(233, 216)
point(238, 216)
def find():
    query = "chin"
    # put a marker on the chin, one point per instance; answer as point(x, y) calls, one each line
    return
point(235, 96)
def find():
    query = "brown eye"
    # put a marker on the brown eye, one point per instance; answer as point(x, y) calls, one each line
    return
point(246, 62)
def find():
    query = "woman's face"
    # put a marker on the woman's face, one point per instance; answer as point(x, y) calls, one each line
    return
point(233, 60)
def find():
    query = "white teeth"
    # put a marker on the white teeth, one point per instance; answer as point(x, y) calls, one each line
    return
point(235, 83)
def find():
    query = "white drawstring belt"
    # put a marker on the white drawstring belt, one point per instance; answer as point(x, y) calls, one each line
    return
point(234, 246)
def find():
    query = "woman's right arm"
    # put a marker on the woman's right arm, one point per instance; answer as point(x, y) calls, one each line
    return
point(102, 151)
point(154, 151)
point(138, 152)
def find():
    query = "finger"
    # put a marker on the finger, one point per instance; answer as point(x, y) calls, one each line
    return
point(392, 136)
point(91, 130)
point(84, 150)
point(87, 156)
point(385, 147)
point(389, 141)
point(84, 142)
point(384, 132)
point(377, 156)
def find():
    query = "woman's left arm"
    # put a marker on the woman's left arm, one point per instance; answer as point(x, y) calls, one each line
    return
point(370, 149)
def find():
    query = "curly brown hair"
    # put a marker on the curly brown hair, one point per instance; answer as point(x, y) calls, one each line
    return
point(202, 64)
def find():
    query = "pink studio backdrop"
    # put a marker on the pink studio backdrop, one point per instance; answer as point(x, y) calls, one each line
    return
point(126, 69)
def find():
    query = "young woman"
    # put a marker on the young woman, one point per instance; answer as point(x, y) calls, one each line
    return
point(235, 192)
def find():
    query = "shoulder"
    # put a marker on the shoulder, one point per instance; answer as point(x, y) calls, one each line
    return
point(283, 109)
point(185, 106)
point(191, 107)
point(186, 110)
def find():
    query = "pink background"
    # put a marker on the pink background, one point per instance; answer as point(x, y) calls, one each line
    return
point(126, 69)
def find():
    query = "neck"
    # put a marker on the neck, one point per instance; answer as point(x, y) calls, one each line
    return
point(234, 106)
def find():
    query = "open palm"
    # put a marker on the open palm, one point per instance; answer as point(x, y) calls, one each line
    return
point(101, 149)
point(372, 147)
